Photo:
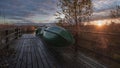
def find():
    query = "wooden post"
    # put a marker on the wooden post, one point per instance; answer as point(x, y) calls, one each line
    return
point(6, 39)
point(20, 32)
point(0, 38)
point(16, 34)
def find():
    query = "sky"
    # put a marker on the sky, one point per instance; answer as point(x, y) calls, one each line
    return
point(42, 11)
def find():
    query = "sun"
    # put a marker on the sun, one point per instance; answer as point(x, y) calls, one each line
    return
point(99, 23)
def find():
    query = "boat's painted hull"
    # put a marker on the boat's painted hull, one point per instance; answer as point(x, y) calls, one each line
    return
point(58, 37)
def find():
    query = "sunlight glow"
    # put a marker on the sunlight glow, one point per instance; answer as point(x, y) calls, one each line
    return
point(99, 23)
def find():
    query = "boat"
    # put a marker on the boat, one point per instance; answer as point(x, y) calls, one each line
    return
point(57, 36)
point(38, 32)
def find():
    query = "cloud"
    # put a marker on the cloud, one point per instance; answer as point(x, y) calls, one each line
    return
point(102, 8)
point(43, 10)
point(100, 5)
point(22, 9)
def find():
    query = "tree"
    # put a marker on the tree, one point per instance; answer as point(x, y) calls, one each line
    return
point(76, 11)
point(115, 13)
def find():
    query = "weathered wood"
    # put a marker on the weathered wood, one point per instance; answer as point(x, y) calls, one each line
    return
point(19, 59)
point(18, 50)
point(34, 60)
point(24, 56)
point(29, 58)
point(30, 53)
point(39, 62)
point(45, 63)
point(46, 53)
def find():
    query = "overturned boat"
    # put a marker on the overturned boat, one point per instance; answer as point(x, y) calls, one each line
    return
point(57, 36)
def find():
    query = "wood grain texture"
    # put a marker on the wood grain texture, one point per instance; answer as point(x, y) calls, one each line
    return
point(31, 53)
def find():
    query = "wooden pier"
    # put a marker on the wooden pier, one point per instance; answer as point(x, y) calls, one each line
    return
point(32, 52)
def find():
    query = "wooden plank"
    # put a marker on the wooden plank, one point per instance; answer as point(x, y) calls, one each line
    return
point(45, 63)
point(52, 63)
point(31, 53)
point(12, 65)
point(50, 54)
point(49, 58)
point(24, 56)
point(19, 59)
point(40, 63)
point(29, 57)
point(40, 52)
point(18, 48)
point(34, 60)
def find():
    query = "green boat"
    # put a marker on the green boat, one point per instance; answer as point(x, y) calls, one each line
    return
point(38, 32)
point(58, 36)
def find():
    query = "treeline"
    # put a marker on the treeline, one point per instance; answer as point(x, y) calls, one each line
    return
point(25, 28)
point(113, 27)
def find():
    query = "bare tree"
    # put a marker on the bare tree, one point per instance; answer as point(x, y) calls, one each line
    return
point(76, 11)
point(115, 13)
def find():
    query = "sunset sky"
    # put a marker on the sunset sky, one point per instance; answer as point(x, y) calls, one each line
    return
point(42, 11)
